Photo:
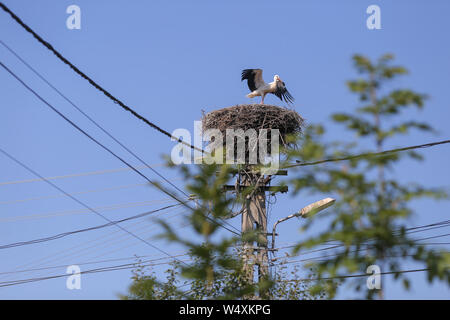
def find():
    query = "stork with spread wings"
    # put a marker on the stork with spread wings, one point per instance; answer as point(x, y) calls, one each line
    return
point(258, 87)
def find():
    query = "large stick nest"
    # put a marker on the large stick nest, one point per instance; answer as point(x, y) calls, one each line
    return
point(256, 116)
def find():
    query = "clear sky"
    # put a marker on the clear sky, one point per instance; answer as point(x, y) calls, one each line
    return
point(169, 60)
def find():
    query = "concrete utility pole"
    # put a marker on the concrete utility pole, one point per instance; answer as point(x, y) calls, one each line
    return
point(254, 218)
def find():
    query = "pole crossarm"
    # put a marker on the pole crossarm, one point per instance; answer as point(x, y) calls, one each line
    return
point(282, 189)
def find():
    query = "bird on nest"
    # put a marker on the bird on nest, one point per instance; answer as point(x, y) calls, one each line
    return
point(258, 87)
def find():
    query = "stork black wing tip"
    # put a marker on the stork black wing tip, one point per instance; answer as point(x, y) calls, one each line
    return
point(288, 97)
point(246, 73)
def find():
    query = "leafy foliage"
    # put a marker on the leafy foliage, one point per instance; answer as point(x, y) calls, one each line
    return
point(370, 215)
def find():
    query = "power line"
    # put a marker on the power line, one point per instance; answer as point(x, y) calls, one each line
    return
point(356, 275)
point(104, 147)
point(87, 263)
point(92, 82)
point(123, 244)
point(88, 117)
point(68, 233)
point(80, 202)
point(435, 225)
point(322, 258)
point(80, 249)
point(432, 226)
point(81, 174)
point(87, 134)
point(133, 265)
point(80, 211)
point(76, 193)
point(104, 269)
point(94, 122)
point(368, 245)
point(368, 154)
point(433, 237)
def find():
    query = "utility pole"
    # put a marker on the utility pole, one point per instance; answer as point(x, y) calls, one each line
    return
point(254, 218)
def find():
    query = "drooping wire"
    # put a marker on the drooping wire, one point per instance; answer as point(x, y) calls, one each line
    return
point(101, 89)
point(90, 118)
point(365, 155)
point(85, 133)
point(93, 245)
point(121, 187)
point(81, 263)
point(72, 175)
point(356, 275)
point(133, 265)
point(82, 203)
point(68, 233)
point(104, 147)
point(365, 248)
point(92, 82)
point(80, 211)
point(103, 269)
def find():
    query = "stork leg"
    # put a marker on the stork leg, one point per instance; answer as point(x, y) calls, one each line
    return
point(262, 98)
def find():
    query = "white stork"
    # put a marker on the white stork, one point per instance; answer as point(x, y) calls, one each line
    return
point(258, 87)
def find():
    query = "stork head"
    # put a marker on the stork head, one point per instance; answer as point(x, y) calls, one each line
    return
point(276, 78)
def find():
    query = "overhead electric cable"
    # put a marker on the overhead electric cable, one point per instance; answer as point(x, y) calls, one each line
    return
point(88, 117)
point(80, 202)
point(81, 174)
point(92, 82)
point(356, 275)
point(367, 154)
point(104, 147)
point(87, 134)
point(68, 233)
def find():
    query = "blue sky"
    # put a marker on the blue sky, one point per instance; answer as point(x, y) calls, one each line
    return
point(169, 60)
